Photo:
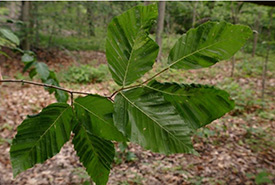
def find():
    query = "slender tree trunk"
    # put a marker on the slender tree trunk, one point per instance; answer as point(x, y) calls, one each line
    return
point(194, 14)
point(161, 10)
point(234, 15)
point(12, 10)
point(146, 3)
point(257, 24)
point(264, 72)
point(90, 18)
point(25, 17)
point(266, 58)
point(36, 24)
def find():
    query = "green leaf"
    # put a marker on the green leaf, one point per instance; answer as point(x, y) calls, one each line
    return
point(10, 36)
point(146, 118)
point(32, 73)
point(42, 70)
point(129, 50)
point(5, 54)
point(41, 136)
point(208, 44)
point(27, 58)
point(61, 96)
point(28, 65)
point(7, 43)
point(95, 153)
point(197, 104)
point(96, 114)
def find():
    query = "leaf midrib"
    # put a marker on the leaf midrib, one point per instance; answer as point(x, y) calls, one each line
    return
point(197, 51)
point(94, 150)
point(165, 92)
point(153, 120)
point(47, 130)
point(130, 58)
point(93, 114)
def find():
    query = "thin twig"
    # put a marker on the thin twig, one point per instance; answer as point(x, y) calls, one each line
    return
point(72, 100)
point(114, 93)
point(44, 85)
point(154, 76)
point(140, 84)
point(79, 92)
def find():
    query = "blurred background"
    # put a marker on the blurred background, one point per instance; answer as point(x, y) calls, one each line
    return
point(70, 38)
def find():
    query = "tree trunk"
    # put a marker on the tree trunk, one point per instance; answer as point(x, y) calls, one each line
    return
point(90, 16)
point(25, 17)
point(234, 15)
point(194, 14)
point(36, 21)
point(146, 3)
point(257, 24)
point(266, 58)
point(12, 10)
point(160, 23)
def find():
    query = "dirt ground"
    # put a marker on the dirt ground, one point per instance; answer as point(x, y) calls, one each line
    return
point(229, 152)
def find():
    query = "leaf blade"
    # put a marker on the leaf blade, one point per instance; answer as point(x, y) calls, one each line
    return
point(10, 36)
point(95, 153)
point(152, 122)
point(42, 70)
point(30, 144)
point(197, 104)
point(96, 113)
point(207, 44)
point(129, 50)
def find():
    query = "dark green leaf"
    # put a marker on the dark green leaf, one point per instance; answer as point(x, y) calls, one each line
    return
point(207, 44)
point(32, 73)
point(146, 118)
point(28, 65)
point(95, 153)
point(41, 136)
point(42, 70)
point(129, 50)
point(197, 104)
point(10, 36)
point(96, 114)
point(61, 96)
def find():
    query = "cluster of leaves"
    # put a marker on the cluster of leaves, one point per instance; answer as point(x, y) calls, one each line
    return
point(46, 75)
point(86, 74)
point(159, 116)
point(9, 39)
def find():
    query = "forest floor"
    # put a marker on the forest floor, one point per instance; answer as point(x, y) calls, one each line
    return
point(239, 148)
